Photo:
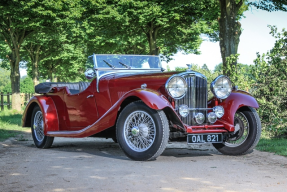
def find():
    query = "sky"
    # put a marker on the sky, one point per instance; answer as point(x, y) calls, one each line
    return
point(254, 38)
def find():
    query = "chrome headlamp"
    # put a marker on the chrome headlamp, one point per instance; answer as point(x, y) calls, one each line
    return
point(176, 87)
point(221, 87)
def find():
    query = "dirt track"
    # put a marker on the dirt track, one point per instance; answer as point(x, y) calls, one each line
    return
point(93, 164)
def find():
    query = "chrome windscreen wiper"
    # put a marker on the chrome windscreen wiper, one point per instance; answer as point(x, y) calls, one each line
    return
point(126, 66)
point(110, 65)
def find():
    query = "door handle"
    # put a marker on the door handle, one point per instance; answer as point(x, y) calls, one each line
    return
point(90, 96)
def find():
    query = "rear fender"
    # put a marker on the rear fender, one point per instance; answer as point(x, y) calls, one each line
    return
point(49, 111)
point(236, 100)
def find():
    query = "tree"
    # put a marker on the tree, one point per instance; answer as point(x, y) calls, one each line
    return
point(153, 27)
point(271, 84)
point(38, 47)
point(230, 27)
point(26, 84)
point(4, 78)
point(68, 65)
point(270, 5)
point(21, 18)
point(218, 68)
point(205, 67)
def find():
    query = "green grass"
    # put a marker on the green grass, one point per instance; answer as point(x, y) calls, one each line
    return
point(273, 145)
point(10, 124)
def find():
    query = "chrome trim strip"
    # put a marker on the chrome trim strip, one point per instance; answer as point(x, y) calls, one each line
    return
point(189, 73)
point(195, 109)
point(127, 69)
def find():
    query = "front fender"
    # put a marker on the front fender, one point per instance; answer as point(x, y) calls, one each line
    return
point(49, 111)
point(236, 100)
point(151, 98)
point(157, 101)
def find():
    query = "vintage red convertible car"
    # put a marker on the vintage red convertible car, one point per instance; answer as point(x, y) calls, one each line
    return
point(130, 99)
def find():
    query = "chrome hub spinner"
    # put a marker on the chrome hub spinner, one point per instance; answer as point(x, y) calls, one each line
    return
point(135, 131)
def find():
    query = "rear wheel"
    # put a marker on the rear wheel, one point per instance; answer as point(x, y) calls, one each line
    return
point(142, 132)
point(37, 127)
point(246, 135)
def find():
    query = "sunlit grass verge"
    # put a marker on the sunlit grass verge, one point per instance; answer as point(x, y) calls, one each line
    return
point(10, 124)
point(273, 145)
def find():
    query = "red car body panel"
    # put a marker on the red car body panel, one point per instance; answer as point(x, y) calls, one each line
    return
point(49, 110)
point(151, 98)
point(90, 112)
point(231, 104)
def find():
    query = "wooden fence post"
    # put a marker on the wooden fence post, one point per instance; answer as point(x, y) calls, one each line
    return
point(8, 100)
point(2, 101)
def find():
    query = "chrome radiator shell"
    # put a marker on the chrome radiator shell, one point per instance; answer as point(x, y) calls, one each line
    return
point(196, 96)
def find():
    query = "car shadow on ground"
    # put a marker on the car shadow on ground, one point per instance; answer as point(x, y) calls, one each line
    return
point(108, 149)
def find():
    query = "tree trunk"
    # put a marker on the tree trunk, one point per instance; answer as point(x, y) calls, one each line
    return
point(14, 38)
point(50, 76)
point(15, 80)
point(229, 30)
point(55, 79)
point(34, 52)
point(35, 72)
point(151, 36)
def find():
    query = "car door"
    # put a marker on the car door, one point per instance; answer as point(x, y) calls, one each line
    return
point(81, 108)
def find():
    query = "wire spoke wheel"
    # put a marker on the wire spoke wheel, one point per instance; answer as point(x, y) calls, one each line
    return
point(139, 131)
point(247, 131)
point(142, 132)
point(242, 128)
point(38, 126)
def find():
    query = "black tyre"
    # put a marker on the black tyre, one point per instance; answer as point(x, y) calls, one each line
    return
point(142, 132)
point(246, 135)
point(37, 127)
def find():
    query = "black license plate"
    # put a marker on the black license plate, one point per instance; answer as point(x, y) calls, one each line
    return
point(204, 138)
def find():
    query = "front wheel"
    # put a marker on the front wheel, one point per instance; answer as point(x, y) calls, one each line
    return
point(37, 127)
point(246, 135)
point(142, 132)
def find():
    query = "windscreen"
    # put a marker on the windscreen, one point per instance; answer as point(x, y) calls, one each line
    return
point(126, 62)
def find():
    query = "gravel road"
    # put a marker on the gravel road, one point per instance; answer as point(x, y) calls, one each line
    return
point(95, 164)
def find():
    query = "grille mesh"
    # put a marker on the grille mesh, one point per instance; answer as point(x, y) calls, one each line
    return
point(196, 97)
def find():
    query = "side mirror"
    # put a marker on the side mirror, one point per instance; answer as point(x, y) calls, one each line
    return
point(90, 74)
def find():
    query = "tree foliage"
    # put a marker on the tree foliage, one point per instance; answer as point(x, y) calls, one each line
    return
point(152, 27)
point(270, 5)
point(4, 78)
point(26, 86)
point(20, 19)
point(271, 84)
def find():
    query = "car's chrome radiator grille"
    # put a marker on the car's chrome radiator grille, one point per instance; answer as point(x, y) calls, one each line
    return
point(196, 97)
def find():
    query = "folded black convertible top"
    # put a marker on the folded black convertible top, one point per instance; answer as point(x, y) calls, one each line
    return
point(47, 86)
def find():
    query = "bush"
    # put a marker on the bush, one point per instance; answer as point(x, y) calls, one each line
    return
point(271, 85)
